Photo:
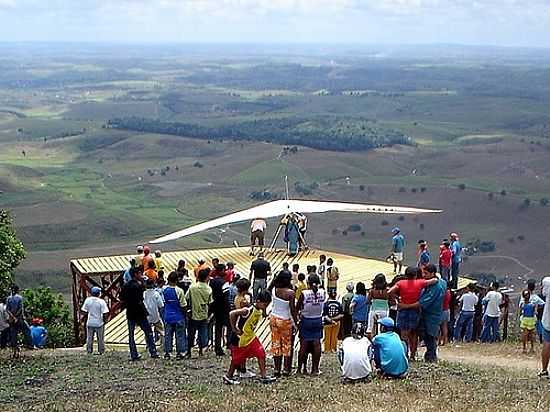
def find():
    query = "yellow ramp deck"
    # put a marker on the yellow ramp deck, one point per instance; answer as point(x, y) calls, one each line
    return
point(351, 268)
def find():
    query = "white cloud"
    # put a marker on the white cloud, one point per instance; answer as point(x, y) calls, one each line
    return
point(7, 4)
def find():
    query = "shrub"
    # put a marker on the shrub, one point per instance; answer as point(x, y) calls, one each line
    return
point(422, 189)
point(544, 201)
point(462, 186)
point(521, 237)
point(344, 233)
point(503, 192)
point(385, 223)
point(414, 190)
point(48, 305)
point(198, 164)
point(526, 202)
point(402, 189)
point(362, 188)
point(354, 228)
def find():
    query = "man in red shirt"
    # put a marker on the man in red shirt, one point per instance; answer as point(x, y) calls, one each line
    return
point(445, 260)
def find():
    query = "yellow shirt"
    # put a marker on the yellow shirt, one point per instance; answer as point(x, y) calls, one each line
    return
point(242, 301)
point(300, 287)
point(248, 325)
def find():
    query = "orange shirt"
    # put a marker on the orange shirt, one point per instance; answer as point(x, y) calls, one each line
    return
point(145, 261)
point(199, 268)
point(151, 274)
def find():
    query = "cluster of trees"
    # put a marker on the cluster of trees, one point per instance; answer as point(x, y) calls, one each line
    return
point(306, 189)
point(319, 133)
point(480, 246)
point(264, 195)
point(40, 302)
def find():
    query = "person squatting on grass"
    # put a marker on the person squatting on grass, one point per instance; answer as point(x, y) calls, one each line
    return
point(245, 343)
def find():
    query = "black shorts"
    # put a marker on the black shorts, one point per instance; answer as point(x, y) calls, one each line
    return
point(257, 235)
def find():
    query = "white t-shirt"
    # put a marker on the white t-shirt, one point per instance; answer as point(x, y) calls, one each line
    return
point(546, 312)
point(356, 360)
point(258, 224)
point(153, 302)
point(494, 300)
point(3, 317)
point(469, 301)
point(96, 308)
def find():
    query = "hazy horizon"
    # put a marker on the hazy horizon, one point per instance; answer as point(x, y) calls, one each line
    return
point(500, 23)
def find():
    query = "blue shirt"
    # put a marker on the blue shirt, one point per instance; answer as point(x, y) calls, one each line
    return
point(431, 301)
point(391, 350)
point(424, 258)
point(456, 247)
point(14, 305)
point(173, 311)
point(398, 243)
point(39, 335)
point(528, 310)
point(127, 276)
point(361, 309)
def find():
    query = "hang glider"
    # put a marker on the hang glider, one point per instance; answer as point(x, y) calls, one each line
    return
point(284, 207)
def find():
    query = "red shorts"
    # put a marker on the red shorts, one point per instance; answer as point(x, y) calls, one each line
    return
point(253, 350)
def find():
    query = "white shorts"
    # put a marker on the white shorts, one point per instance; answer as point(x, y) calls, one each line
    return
point(398, 256)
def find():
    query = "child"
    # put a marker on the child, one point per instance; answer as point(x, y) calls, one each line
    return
point(423, 254)
point(445, 260)
point(347, 322)
point(332, 275)
point(39, 334)
point(379, 298)
point(243, 298)
point(159, 265)
point(528, 321)
point(154, 303)
point(245, 343)
point(300, 286)
point(332, 314)
point(360, 304)
point(320, 270)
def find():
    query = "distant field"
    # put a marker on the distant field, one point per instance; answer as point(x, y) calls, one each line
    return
point(78, 188)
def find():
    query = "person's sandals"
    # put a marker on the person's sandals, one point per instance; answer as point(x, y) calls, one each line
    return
point(230, 381)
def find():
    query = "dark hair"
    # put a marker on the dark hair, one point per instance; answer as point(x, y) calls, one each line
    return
point(301, 276)
point(203, 274)
point(220, 267)
point(264, 297)
point(332, 292)
point(330, 261)
point(283, 280)
point(380, 282)
point(526, 294)
point(308, 269)
point(471, 286)
point(322, 257)
point(411, 272)
point(285, 265)
point(242, 285)
point(173, 277)
point(430, 268)
point(495, 285)
point(14, 288)
point(151, 264)
point(531, 284)
point(446, 244)
point(149, 283)
point(160, 273)
point(230, 265)
point(313, 269)
point(295, 267)
point(360, 289)
point(313, 281)
point(132, 262)
point(217, 260)
point(181, 264)
point(236, 277)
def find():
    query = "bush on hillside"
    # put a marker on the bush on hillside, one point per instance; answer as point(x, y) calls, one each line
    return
point(12, 251)
point(462, 186)
point(44, 303)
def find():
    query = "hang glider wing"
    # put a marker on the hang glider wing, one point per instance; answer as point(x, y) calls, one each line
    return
point(282, 207)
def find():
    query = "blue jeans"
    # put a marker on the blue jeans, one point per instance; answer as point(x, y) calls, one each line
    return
point(464, 319)
point(180, 330)
point(200, 326)
point(147, 331)
point(490, 332)
point(455, 269)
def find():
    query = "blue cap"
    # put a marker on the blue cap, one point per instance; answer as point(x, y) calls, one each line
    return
point(387, 322)
point(96, 291)
point(395, 230)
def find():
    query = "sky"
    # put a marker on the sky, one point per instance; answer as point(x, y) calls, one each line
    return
point(524, 23)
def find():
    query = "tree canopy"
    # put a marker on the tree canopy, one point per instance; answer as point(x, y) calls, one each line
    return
point(12, 251)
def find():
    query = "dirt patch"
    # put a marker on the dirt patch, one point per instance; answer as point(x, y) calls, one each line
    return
point(53, 213)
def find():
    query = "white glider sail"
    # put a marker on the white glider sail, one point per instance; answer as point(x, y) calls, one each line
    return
point(283, 207)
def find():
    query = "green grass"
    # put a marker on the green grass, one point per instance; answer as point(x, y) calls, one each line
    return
point(57, 381)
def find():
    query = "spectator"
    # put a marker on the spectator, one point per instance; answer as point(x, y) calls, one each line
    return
point(445, 260)
point(150, 272)
point(139, 257)
point(300, 286)
point(397, 250)
point(96, 311)
point(16, 320)
point(424, 256)
point(184, 280)
point(332, 275)
point(347, 321)
point(4, 326)
point(218, 307)
point(545, 354)
point(492, 300)
point(468, 302)
point(295, 273)
point(201, 265)
point(321, 269)
point(332, 316)
point(199, 299)
point(354, 356)
point(260, 270)
point(154, 303)
point(389, 351)
point(282, 320)
point(159, 264)
point(379, 298)
point(128, 272)
point(243, 298)
point(245, 343)
point(39, 333)
point(359, 306)
point(528, 321)
point(229, 272)
point(456, 248)
point(174, 318)
point(445, 317)
point(131, 296)
point(147, 257)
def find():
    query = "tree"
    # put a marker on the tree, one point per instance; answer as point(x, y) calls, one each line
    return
point(544, 201)
point(503, 192)
point(462, 186)
point(50, 306)
point(12, 251)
